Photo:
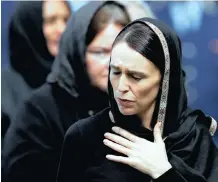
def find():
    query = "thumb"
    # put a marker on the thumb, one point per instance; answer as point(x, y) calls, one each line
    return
point(157, 133)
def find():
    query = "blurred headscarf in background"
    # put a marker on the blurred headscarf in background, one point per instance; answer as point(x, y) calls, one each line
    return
point(30, 59)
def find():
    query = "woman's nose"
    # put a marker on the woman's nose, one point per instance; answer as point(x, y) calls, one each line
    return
point(123, 84)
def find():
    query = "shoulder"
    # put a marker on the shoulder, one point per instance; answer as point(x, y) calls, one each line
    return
point(12, 81)
point(205, 122)
point(9, 75)
point(35, 119)
point(41, 95)
point(12, 87)
point(91, 126)
point(50, 97)
point(37, 109)
point(42, 100)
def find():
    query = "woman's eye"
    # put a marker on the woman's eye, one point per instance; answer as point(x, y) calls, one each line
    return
point(50, 20)
point(98, 52)
point(136, 77)
point(116, 72)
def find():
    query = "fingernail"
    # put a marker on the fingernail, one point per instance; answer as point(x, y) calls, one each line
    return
point(115, 129)
point(105, 141)
point(161, 123)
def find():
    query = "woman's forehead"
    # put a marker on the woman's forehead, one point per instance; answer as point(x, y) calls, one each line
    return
point(125, 57)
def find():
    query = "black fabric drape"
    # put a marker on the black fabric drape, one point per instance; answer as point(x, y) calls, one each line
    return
point(189, 145)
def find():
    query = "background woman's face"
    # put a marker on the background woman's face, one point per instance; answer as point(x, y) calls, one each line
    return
point(98, 55)
point(135, 80)
point(55, 16)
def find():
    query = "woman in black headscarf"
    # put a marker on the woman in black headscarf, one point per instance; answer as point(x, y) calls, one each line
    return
point(34, 33)
point(148, 133)
point(73, 91)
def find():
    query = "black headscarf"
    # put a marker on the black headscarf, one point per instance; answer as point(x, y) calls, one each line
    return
point(29, 54)
point(30, 60)
point(189, 145)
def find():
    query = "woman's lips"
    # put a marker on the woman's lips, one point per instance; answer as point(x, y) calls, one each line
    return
point(125, 102)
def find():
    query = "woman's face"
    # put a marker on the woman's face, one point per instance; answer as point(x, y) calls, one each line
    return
point(135, 80)
point(98, 55)
point(55, 16)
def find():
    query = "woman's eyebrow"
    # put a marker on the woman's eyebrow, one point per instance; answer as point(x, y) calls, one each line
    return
point(139, 73)
point(136, 72)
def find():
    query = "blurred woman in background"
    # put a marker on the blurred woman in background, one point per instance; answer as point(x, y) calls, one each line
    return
point(34, 34)
point(76, 88)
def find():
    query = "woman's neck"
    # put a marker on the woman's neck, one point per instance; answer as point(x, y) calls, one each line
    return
point(146, 116)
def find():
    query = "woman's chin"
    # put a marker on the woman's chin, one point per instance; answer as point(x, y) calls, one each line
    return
point(126, 111)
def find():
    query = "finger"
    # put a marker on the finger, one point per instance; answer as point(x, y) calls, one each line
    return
point(120, 159)
point(125, 134)
point(120, 140)
point(157, 133)
point(117, 147)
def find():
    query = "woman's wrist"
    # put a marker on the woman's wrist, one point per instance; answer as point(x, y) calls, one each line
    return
point(161, 170)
